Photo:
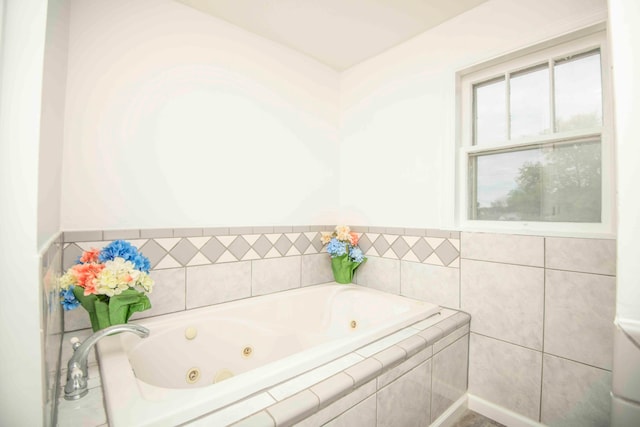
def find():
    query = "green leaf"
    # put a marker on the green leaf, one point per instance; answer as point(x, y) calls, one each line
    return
point(107, 311)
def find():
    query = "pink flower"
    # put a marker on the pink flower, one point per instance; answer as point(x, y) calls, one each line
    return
point(86, 275)
point(354, 238)
point(90, 287)
point(90, 255)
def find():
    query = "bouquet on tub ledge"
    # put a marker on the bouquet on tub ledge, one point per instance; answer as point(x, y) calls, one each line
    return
point(346, 256)
point(109, 283)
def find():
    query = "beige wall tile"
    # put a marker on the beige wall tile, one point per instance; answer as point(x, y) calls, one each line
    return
point(449, 380)
point(316, 269)
point(579, 314)
point(432, 283)
point(505, 374)
point(584, 255)
point(380, 273)
point(341, 406)
point(507, 248)
point(574, 394)
point(274, 275)
point(505, 301)
point(407, 400)
point(217, 283)
point(363, 414)
point(168, 293)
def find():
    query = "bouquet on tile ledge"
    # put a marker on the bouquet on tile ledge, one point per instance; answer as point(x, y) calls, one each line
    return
point(346, 256)
point(109, 283)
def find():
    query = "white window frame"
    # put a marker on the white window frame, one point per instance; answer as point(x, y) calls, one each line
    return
point(580, 42)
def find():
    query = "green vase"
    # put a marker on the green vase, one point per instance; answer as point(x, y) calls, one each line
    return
point(343, 268)
point(104, 311)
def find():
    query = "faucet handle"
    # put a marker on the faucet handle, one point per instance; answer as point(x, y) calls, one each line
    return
point(75, 343)
point(76, 386)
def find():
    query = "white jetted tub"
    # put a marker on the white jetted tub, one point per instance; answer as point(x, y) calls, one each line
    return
point(198, 361)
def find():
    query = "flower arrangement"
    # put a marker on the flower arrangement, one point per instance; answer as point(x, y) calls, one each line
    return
point(109, 283)
point(346, 256)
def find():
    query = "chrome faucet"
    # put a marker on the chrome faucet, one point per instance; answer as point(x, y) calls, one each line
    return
point(76, 386)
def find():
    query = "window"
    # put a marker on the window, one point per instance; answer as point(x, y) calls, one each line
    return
point(535, 152)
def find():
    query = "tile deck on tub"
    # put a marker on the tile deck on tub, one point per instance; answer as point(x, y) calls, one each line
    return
point(327, 385)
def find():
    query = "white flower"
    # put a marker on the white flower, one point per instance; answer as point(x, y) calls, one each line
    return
point(145, 281)
point(325, 237)
point(67, 280)
point(118, 275)
point(342, 233)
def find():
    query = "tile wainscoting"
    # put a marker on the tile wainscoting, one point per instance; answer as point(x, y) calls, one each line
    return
point(542, 324)
point(196, 267)
point(542, 319)
point(50, 271)
point(411, 377)
point(542, 307)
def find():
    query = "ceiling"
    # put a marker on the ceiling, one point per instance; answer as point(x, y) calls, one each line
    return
point(338, 33)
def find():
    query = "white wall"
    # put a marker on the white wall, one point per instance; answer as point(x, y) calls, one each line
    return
point(625, 39)
point(21, 65)
point(175, 118)
point(398, 109)
point(52, 120)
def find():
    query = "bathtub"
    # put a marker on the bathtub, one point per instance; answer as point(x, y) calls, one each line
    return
point(198, 361)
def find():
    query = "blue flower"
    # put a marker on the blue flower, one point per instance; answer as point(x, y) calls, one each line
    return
point(124, 249)
point(68, 299)
point(356, 254)
point(336, 248)
point(141, 262)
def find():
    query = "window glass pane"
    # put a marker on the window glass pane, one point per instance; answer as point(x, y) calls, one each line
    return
point(578, 92)
point(559, 183)
point(529, 101)
point(490, 112)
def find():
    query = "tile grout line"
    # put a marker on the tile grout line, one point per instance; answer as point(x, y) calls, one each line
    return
point(251, 279)
point(536, 266)
point(506, 342)
point(399, 277)
point(544, 306)
point(539, 351)
point(502, 262)
point(460, 278)
point(185, 288)
point(580, 272)
point(431, 385)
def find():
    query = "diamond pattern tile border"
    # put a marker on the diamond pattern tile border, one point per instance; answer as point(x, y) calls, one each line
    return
point(245, 243)
point(154, 252)
point(213, 249)
point(183, 251)
point(446, 252)
point(239, 247)
point(283, 244)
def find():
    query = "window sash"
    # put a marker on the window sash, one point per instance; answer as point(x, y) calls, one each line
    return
point(507, 111)
point(548, 53)
point(548, 160)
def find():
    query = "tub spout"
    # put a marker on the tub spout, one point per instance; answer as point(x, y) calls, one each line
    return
point(76, 386)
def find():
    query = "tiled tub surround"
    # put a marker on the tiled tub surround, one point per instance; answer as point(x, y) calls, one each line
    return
point(542, 326)
point(556, 295)
point(50, 272)
point(411, 377)
point(196, 267)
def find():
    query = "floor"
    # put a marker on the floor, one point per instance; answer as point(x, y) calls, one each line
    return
point(472, 419)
